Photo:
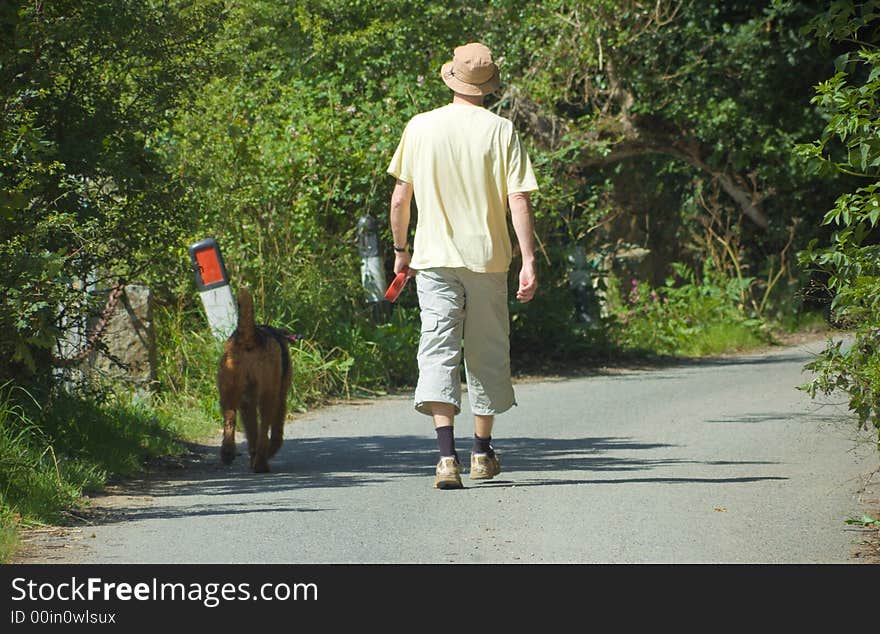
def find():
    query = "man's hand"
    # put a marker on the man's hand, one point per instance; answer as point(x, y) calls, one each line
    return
point(401, 260)
point(528, 283)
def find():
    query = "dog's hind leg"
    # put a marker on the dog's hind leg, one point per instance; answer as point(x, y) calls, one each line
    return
point(268, 413)
point(227, 448)
point(276, 430)
point(230, 400)
point(249, 422)
point(278, 424)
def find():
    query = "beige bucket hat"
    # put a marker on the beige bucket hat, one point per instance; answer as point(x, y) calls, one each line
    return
point(471, 71)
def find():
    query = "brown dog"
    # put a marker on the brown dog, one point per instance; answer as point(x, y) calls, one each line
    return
point(254, 377)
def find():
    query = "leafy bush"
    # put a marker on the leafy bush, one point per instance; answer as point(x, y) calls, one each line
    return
point(686, 316)
point(85, 88)
point(850, 145)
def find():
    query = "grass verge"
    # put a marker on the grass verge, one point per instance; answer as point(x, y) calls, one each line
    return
point(50, 456)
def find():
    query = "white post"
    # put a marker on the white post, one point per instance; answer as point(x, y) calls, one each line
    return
point(372, 272)
point(212, 282)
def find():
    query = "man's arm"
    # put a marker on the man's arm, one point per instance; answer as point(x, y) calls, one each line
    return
point(401, 198)
point(524, 227)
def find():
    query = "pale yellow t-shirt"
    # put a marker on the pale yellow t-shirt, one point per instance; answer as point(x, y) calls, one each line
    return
point(462, 162)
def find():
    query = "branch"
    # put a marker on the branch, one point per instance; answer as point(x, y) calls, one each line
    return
point(96, 334)
point(746, 198)
point(631, 137)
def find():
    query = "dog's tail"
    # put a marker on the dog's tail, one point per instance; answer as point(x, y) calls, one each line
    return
point(247, 330)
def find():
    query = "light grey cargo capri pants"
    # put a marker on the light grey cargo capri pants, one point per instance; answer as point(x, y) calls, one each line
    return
point(459, 306)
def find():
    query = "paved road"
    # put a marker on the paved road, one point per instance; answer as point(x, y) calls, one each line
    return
point(722, 461)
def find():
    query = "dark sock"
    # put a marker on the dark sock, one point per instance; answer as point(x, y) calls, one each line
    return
point(481, 445)
point(446, 441)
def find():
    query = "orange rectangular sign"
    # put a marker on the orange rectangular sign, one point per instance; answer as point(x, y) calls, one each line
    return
point(209, 266)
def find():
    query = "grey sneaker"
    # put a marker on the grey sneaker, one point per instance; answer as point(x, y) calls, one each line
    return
point(448, 474)
point(485, 466)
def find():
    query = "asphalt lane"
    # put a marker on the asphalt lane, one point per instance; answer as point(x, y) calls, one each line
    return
point(718, 461)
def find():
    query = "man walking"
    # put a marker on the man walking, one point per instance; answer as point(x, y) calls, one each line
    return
point(464, 165)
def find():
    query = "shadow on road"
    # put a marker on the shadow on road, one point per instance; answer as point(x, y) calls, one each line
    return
point(634, 367)
point(658, 372)
point(534, 483)
point(834, 418)
point(308, 463)
point(797, 357)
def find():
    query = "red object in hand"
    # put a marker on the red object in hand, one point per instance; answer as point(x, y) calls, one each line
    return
point(397, 285)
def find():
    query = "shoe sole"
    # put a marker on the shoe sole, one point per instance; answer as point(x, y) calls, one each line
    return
point(482, 476)
point(448, 484)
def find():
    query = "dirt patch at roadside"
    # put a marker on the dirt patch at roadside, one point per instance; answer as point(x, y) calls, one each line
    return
point(868, 545)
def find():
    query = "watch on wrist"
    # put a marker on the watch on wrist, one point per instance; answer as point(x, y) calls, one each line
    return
point(399, 249)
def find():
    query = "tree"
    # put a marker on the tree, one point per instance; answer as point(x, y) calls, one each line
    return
point(288, 142)
point(656, 122)
point(86, 89)
point(716, 86)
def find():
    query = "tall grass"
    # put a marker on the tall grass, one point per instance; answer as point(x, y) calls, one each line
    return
point(343, 349)
point(9, 540)
point(53, 454)
point(189, 355)
point(720, 338)
point(36, 482)
point(34, 485)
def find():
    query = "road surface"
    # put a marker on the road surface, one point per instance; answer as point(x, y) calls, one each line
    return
point(717, 461)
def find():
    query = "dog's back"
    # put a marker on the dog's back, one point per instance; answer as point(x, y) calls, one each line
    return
point(250, 337)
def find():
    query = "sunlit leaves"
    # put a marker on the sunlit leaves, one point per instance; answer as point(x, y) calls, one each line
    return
point(850, 144)
point(86, 89)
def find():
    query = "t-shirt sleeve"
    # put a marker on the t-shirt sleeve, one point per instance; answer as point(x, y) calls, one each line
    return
point(520, 175)
point(401, 163)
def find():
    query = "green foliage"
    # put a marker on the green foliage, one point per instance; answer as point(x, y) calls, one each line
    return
point(686, 316)
point(135, 129)
point(385, 352)
point(132, 129)
point(85, 88)
point(33, 484)
point(50, 456)
point(561, 325)
point(734, 101)
point(9, 540)
point(644, 119)
point(865, 521)
point(850, 145)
